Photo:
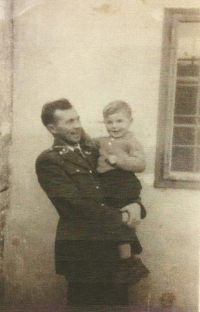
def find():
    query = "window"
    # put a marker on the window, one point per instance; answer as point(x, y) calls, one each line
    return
point(178, 139)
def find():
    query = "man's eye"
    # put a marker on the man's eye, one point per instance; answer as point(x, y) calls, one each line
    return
point(68, 122)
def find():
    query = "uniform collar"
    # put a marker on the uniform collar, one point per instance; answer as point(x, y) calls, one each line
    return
point(73, 147)
point(84, 143)
point(66, 151)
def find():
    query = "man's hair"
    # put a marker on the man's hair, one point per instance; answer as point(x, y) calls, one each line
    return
point(48, 110)
point(115, 107)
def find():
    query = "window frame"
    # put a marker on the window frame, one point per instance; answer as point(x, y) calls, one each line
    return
point(164, 177)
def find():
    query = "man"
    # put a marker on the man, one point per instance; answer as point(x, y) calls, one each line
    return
point(88, 230)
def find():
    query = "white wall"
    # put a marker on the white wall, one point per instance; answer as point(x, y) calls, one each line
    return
point(92, 52)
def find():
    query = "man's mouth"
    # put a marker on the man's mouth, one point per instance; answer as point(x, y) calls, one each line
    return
point(77, 133)
point(115, 131)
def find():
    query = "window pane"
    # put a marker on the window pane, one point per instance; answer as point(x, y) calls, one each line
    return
point(182, 159)
point(187, 70)
point(198, 136)
point(184, 136)
point(198, 160)
point(185, 100)
point(184, 120)
point(188, 40)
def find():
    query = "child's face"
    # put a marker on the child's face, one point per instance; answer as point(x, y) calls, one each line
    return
point(117, 124)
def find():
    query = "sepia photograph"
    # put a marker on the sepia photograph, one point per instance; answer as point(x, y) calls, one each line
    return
point(99, 155)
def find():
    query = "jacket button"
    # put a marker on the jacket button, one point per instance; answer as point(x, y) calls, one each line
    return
point(77, 170)
point(97, 187)
point(90, 171)
point(102, 205)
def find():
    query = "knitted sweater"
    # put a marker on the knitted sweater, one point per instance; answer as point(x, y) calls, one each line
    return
point(128, 150)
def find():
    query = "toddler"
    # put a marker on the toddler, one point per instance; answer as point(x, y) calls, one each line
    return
point(120, 156)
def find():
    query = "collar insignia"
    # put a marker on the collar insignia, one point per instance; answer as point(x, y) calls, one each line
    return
point(61, 149)
point(87, 153)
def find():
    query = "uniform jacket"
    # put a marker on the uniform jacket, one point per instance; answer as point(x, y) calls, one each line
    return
point(71, 183)
point(87, 228)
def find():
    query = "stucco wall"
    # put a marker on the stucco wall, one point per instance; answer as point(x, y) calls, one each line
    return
point(5, 122)
point(92, 52)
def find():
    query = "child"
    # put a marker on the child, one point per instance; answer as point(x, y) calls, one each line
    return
point(121, 155)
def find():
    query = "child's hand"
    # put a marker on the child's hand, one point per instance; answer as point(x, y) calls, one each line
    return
point(112, 160)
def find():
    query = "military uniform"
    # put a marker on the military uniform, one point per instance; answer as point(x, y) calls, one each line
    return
point(88, 230)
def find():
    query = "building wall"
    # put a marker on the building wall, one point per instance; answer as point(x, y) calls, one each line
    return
point(5, 123)
point(92, 52)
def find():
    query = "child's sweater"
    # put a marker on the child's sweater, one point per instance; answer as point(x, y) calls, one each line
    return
point(128, 150)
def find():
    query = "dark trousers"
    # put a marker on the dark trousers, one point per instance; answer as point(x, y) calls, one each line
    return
point(97, 294)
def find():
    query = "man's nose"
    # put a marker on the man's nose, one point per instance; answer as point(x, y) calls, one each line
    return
point(77, 124)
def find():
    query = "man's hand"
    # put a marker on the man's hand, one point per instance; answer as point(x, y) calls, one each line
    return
point(112, 160)
point(125, 217)
point(134, 214)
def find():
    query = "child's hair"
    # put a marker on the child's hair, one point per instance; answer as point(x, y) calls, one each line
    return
point(115, 107)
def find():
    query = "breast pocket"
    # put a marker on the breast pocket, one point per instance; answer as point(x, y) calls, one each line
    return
point(74, 170)
point(83, 180)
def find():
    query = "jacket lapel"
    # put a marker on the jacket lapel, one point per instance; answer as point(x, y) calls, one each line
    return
point(75, 158)
point(69, 155)
point(91, 154)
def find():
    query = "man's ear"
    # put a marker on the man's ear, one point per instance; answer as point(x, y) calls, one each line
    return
point(51, 128)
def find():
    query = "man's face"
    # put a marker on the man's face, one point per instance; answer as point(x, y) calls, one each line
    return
point(67, 125)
